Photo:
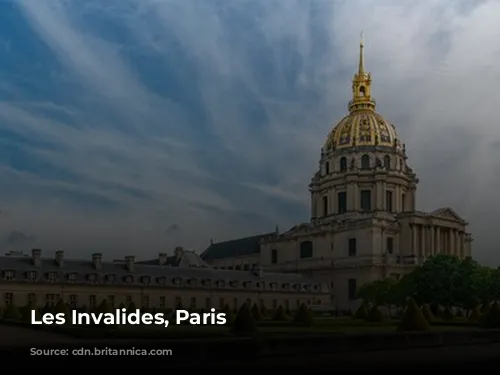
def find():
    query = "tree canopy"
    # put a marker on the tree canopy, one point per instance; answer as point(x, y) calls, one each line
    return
point(442, 280)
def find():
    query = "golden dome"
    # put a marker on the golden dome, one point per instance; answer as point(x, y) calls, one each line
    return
point(363, 126)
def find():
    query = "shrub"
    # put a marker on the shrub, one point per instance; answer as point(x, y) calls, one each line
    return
point(104, 307)
point(427, 313)
point(48, 309)
point(131, 307)
point(122, 306)
point(12, 313)
point(26, 312)
point(303, 317)
point(229, 314)
point(491, 318)
point(61, 308)
point(475, 315)
point(447, 314)
point(459, 313)
point(263, 311)
point(256, 313)
point(375, 315)
point(485, 307)
point(83, 309)
point(279, 315)
point(413, 319)
point(361, 313)
point(244, 322)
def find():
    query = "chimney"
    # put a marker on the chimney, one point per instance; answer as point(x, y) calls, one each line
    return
point(97, 260)
point(60, 258)
point(129, 262)
point(37, 254)
point(162, 259)
point(178, 252)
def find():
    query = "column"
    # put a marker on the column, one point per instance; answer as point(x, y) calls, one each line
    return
point(452, 242)
point(438, 240)
point(379, 196)
point(414, 250)
point(313, 206)
point(461, 244)
point(423, 242)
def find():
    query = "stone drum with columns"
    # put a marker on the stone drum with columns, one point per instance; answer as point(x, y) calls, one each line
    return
point(364, 223)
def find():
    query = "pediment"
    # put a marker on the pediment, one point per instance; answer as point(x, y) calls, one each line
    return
point(447, 213)
point(298, 229)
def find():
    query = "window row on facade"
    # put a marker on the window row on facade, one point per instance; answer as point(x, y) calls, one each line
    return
point(365, 202)
point(145, 301)
point(366, 163)
point(306, 249)
point(52, 277)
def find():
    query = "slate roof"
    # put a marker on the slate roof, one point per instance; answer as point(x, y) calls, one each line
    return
point(185, 270)
point(233, 248)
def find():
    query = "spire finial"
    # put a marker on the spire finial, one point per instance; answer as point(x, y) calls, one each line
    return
point(361, 69)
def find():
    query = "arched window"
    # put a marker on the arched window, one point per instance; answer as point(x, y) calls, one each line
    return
point(343, 164)
point(327, 168)
point(362, 91)
point(306, 249)
point(387, 162)
point(365, 162)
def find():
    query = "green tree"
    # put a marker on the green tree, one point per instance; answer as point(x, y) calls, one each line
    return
point(256, 313)
point(12, 313)
point(280, 315)
point(303, 317)
point(61, 308)
point(26, 312)
point(413, 319)
point(244, 323)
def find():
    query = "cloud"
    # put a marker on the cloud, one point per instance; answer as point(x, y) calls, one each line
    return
point(119, 119)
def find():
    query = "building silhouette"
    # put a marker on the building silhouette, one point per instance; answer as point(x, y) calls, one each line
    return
point(364, 223)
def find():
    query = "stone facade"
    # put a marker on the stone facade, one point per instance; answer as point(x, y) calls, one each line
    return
point(165, 283)
point(364, 223)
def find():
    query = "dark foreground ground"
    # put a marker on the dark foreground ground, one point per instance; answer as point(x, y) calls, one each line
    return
point(16, 342)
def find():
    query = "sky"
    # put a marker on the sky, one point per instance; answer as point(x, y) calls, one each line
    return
point(132, 126)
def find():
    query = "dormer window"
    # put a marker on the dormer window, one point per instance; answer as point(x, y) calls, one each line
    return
point(177, 281)
point(160, 280)
point(273, 285)
point(31, 275)
point(205, 282)
point(307, 287)
point(233, 284)
point(110, 278)
point(9, 275)
point(285, 286)
point(128, 279)
point(247, 284)
point(72, 277)
point(92, 278)
point(146, 279)
point(296, 287)
point(316, 288)
point(191, 282)
point(51, 277)
point(258, 285)
point(221, 283)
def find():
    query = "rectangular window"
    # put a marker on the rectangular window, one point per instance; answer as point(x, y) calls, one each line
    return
point(352, 247)
point(193, 302)
point(111, 300)
point(178, 302)
point(390, 245)
point(162, 302)
point(92, 301)
point(366, 200)
point(208, 303)
point(388, 201)
point(274, 256)
point(9, 298)
point(32, 298)
point(325, 206)
point(342, 202)
point(221, 303)
point(352, 289)
point(145, 302)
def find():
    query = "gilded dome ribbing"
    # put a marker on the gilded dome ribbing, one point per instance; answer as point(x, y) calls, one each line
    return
point(363, 126)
